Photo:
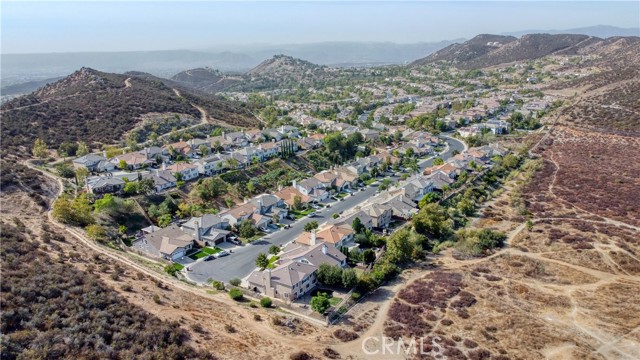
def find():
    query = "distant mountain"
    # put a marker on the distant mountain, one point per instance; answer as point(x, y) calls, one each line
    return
point(489, 50)
point(600, 31)
point(205, 79)
point(27, 87)
point(99, 108)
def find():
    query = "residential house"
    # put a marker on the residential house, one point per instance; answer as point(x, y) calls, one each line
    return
point(162, 179)
point(208, 229)
point(288, 281)
point(270, 149)
point(220, 142)
point(239, 213)
point(336, 235)
point(440, 180)
point(380, 215)
point(238, 139)
point(181, 148)
point(157, 154)
point(327, 178)
point(212, 164)
point(370, 134)
point(448, 169)
point(251, 154)
point(93, 163)
point(288, 195)
point(133, 160)
point(416, 188)
point(104, 184)
point(186, 170)
point(289, 131)
point(198, 144)
point(308, 143)
point(272, 134)
point(311, 187)
point(170, 243)
point(266, 203)
point(365, 219)
point(402, 207)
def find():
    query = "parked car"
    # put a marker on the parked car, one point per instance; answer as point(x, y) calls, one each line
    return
point(209, 258)
point(311, 214)
point(328, 206)
point(221, 254)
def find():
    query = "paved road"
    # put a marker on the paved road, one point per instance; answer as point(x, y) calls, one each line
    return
point(242, 261)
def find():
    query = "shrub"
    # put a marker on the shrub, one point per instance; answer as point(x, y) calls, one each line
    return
point(345, 335)
point(329, 353)
point(229, 328)
point(235, 282)
point(257, 317)
point(355, 295)
point(126, 287)
point(236, 294)
point(156, 299)
point(218, 285)
point(265, 302)
point(300, 355)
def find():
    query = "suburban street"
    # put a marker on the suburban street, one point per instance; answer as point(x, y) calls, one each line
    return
point(242, 261)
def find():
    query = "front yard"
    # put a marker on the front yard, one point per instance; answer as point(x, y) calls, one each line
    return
point(206, 251)
point(297, 214)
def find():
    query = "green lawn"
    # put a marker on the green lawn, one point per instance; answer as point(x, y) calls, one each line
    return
point(370, 181)
point(272, 262)
point(178, 266)
point(205, 252)
point(253, 238)
point(301, 213)
point(341, 195)
point(333, 301)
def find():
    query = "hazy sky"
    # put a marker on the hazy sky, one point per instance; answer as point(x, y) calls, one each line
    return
point(55, 26)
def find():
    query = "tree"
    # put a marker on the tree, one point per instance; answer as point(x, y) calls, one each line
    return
point(122, 164)
point(466, 206)
point(274, 249)
point(357, 226)
point(146, 186)
point(204, 150)
point(349, 278)
point(247, 229)
point(235, 282)
point(297, 202)
point(97, 233)
point(428, 198)
point(433, 220)
point(65, 171)
point(310, 226)
point(438, 161)
point(83, 149)
point(251, 187)
point(529, 225)
point(171, 270)
point(368, 256)
point(76, 211)
point(329, 275)
point(236, 294)
point(385, 184)
point(131, 188)
point(399, 247)
point(266, 302)
point(261, 261)
point(40, 150)
point(107, 204)
point(320, 303)
point(164, 220)
point(81, 173)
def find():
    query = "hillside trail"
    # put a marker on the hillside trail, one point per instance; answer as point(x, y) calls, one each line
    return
point(246, 316)
point(205, 118)
point(127, 83)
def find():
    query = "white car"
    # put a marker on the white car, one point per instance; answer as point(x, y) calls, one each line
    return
point(221, 254)
point(311, 214)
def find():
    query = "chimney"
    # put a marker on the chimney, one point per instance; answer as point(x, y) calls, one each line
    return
point(104, 153)
point(260, 206)
point(164, 166)
point(313, 238)
point(197, 234)
point(294, 183)
point(324, 249)
point(146, 152)
point(267, 279)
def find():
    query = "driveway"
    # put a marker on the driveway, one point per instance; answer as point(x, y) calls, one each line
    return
point(242, 261)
